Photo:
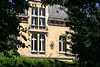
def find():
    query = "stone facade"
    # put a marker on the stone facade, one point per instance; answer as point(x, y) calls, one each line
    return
point(52, 30)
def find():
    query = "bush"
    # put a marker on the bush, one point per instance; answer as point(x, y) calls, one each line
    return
point(27, 62)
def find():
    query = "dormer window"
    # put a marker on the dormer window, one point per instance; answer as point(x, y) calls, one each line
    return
point(34, 11)
point(42, 12)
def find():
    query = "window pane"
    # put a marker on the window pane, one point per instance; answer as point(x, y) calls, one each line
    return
point(62, 44)
point(42, 12)
point(42, 22)
point(39, 43)
point(64, 47)
point(34, 42)
point(34, 11)
point(34, 21)
point(31, 44)
point(36, 45)
point(59, 46)
point(42, 43)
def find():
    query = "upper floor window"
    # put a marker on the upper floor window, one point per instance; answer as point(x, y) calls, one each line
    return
point(42, 22)
point(34, 11)
point(62, 44)
point(42, 43)
point(42, 12)
point(34, 42)
point(34, 21)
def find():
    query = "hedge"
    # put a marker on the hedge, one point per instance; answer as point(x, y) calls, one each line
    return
point(28, 62)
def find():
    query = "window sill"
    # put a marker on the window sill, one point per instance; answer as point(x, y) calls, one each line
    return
point(35, 15)
point(34, 25)
point(41, 51)
point(42, 16)
point(42, 26)
point(62, 52)
point(34, 51)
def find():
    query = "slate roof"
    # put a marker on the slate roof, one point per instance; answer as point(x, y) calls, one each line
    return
point(55, 12)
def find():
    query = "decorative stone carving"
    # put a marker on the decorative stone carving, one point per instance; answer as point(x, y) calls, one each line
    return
point(52, 45)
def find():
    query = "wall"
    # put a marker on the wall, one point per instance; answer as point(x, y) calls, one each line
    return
point(52, 36)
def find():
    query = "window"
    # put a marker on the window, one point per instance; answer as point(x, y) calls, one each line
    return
point(42, 12)
point(42, 22)
point(62, 44)
point(34, 11)
point(34, 21)
point(34, 42)
point(42, 43)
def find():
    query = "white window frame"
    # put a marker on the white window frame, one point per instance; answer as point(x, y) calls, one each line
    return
point(41, 43)
point(42, 11)
point(34, 21)
point(42, 21)
point(34, 10)
point(34, 39)
point(62, 44)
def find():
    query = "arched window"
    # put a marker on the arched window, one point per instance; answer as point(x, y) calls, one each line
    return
point(34, 42)
point(62, 44)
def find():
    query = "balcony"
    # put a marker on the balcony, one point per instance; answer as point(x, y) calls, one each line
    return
point(38, 29)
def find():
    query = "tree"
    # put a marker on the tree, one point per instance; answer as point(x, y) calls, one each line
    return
point(9, 24)
point(84, 16)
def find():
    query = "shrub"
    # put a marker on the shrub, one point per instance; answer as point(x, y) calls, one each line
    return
point(28, 62)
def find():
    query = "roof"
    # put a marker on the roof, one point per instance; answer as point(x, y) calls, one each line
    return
point(55, 12)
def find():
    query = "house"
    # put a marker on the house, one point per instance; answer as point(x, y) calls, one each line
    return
point(46, 25)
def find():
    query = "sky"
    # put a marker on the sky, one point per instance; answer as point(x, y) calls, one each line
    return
point(10, 1)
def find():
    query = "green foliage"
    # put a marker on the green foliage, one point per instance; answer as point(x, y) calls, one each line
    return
point(28, 62)
point(9, 24)
point(84, 16)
